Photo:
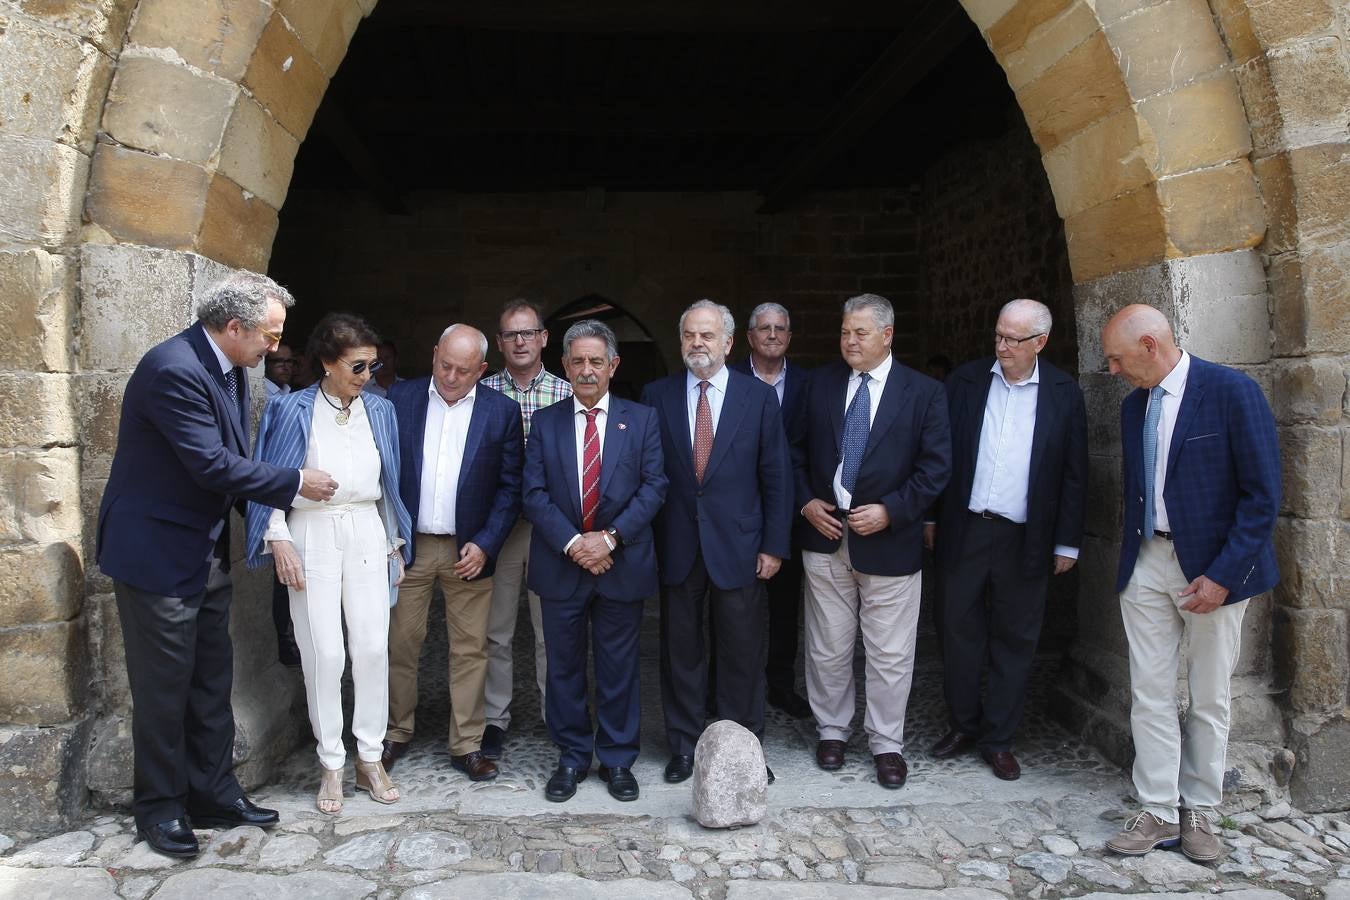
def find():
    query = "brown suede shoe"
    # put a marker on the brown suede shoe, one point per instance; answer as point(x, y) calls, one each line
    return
point(1003, 763)
point(477, 766)
point(952, 743)
point(1144, 832)
point(830, 755)
point(1197, 837)
point(393, 751)
point(891, 770)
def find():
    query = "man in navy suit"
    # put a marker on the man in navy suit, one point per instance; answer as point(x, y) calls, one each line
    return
point(461, 448)
point(594, 482)
point(1201, 485)
point(724, 528)
point(1012, 515)
point(769, 333)
point(182, 461)
point(870, 455)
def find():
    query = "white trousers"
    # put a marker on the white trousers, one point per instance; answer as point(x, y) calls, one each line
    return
point(346, 575)
point(1173, 765)
point(508, 580)
point(838, 599)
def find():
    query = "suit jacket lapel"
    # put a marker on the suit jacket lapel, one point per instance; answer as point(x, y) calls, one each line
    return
point(975, 401)
point(616, 426)
point(477, 425)
point(419, 432)
point(893, 398)
point(567, 446)
point(1047, 400)
point(235, 430)
point(733, 410)
point(834, 401)
point(676, 406)
point(1190, 403)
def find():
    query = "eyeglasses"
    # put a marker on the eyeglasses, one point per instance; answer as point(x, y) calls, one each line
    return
point(524, 334)
point(272, 338)
point(772, 329)
point(281, 362)
point(359, 367)
point(1012, 341)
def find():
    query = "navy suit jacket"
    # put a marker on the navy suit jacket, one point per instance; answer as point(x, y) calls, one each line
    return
point(632, 487)
point(1057, 482)
point(794, 388)
point(1222, 490)
point(487, 498)
point(181, 462)
point(905, 466)
point(743, 507)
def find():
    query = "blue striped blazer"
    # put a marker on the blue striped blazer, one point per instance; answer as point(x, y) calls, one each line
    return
point(283, 440)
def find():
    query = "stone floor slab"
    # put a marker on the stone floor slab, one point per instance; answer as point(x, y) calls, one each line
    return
point(759, 890)
point(524, 886)
point(57, 884)
point(202, 883)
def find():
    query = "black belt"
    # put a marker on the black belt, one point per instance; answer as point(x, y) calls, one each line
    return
point(1165, 535)
point(986, 514)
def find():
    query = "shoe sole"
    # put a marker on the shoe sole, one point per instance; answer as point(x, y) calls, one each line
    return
point(1195, 857)
point(1165, 843)
point(891, 787)
point(670, 780)
point(1012, 777)
point(228, 823)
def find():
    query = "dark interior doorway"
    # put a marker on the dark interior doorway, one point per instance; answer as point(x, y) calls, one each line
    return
point(640, 361)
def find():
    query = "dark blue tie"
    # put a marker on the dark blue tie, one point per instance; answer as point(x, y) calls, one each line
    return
point(232, 386)
point(1151, 454)
point(857, 422)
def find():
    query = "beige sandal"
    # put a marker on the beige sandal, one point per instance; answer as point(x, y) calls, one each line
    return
point(329, 800)
point(374, 780)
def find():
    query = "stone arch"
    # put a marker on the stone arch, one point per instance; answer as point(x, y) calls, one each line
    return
point(1193, 150)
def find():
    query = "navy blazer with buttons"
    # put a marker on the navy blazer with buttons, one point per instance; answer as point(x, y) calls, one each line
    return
point(905, 465)
point(1222, 489)
point(181, 462)
point(743, 506)
point(487, 497)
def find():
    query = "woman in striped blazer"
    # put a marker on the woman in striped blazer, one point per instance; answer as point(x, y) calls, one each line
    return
point(344, 558)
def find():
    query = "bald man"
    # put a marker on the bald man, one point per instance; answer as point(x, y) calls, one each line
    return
point(1201, 476)
point(461, 447)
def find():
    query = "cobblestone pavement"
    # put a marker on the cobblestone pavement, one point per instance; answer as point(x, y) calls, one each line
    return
point(954, 831)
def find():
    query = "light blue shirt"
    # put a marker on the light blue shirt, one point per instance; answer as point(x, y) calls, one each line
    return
point(777, 384)
point(717, 392)
point(1003, 466)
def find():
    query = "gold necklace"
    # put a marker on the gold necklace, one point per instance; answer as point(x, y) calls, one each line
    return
point(344, 413)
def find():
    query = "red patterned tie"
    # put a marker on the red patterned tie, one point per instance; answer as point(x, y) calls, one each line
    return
point(703, 432)
point(590, 472)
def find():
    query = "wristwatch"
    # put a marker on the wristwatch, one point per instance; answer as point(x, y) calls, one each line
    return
point(614, 533)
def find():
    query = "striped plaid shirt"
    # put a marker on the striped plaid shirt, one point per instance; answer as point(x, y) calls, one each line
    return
point(544, 389)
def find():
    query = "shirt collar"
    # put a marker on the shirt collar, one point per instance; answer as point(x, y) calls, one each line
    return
point(1175, 382)
point(436, 395)
point(718, 380)
point(221, 358)
point(782, 372)
point(1035, 377)
point(530, 385)
point(602, 404)
point(878, 373)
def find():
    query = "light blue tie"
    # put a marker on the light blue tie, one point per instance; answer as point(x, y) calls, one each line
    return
point(857, 422)
point(1151, 454)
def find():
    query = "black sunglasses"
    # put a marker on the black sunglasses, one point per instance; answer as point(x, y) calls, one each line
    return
point(358, 368)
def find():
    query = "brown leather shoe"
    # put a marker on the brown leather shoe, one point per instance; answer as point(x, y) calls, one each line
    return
point(393, 751)
point(952, 743)
point(477, 766)
point(891, 770)
point(1003, 763)
point(830, 755)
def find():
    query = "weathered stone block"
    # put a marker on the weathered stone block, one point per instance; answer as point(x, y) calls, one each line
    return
point(238, 228)
point(1278, 23)
point(1310, 294)
point(55, 84)
point(1254, 663)
point(122, 284)
point(46, 673)
point(99, 400)
point(1309, 553)
point(985, 13)
point(257, 153)
point(214, 35)
point(1236, 27)
point(1308, 193)
point(325, 27)
point(1104, 487)
point(102, 22)
point(118, 201)
point(1049, 43)
point(367, 6)
point(1321, 779)
point(1124, 233)
point(1163, 47)
point(1104, 160)
point(39, 583)
point(1309, 391)
point(285, 78)
point(1081, 88)
point(39, 496)
point(110, 655)
point(1097, 300)
point(1011, 31)
point(1311, 658)
point(1310, 458)
point(1345, 473)
point(1262, 104)
point(1256, 716)
point(36, 410)
point(1212, 210)
point(1221, 310)
point(37, 301)
point(111, 756)
point(1312, 83)
point(1102, 393)
point(42, 776)
point(1200, 124)
point(41, 187)
point(165, 108)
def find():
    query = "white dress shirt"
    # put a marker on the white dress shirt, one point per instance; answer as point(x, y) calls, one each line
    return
point(579, 422)
point(442, 457)
point(778, 382)
point(1174, 387)
point(875, 385)
point(717, 392)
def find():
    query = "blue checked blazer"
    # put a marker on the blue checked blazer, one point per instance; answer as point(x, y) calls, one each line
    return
point(487, 498)
point(283, 440)
point(1222, 490)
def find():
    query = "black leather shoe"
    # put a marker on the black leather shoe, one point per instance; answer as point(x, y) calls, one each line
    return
point(679, 768)
point(172, 838)
point(563, 784)
point(790, 702)
point(769, 772)
point(492, 742)
point(393, 751)
point(622, 785)
point(952, 743)
point(240, 812)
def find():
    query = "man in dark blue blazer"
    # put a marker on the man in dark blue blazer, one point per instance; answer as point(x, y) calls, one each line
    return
point(461, 447)
point(769, 333)
point(182, 461)
point(1011, 515)
point(870, 455)
point(1201, 486)
point(593, 484)
point(725, 527)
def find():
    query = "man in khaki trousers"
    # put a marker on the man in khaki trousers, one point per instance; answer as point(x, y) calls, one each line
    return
point(460, 448)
